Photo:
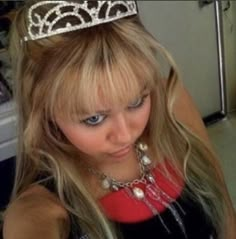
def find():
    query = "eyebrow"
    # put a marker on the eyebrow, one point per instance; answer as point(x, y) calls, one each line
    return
point(109, 111)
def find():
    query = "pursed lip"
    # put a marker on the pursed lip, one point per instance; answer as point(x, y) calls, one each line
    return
point(122, 151)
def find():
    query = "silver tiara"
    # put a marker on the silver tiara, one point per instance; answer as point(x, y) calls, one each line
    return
point(77, 15)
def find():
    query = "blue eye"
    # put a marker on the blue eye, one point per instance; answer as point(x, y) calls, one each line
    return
point(94, 120)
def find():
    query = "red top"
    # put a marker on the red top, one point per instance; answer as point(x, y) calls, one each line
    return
point(120, 206)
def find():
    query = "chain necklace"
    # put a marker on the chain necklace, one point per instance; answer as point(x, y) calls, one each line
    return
point(151, 191)
point(144, 171)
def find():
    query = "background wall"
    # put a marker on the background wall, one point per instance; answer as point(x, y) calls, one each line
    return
point(188, 31)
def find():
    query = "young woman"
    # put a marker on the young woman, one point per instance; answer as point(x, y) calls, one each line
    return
point(109, 147)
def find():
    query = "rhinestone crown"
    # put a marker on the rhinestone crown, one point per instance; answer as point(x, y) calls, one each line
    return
point(76, 15)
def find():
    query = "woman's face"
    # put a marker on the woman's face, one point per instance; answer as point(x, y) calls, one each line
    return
point(108, 135)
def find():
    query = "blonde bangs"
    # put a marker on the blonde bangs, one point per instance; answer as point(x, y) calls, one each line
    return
point(100, 83)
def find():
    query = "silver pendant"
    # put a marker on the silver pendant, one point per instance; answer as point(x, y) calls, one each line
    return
point(143, 147)
point(150, 178)
point(114, 188)
point(138, 193)
point(106, 184)
point(145, 160)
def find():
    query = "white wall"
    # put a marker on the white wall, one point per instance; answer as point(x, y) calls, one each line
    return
point(189, 33)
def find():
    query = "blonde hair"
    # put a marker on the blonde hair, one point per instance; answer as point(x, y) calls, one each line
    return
point(116, 58)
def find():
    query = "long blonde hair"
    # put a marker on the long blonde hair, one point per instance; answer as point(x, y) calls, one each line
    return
point(61, 75)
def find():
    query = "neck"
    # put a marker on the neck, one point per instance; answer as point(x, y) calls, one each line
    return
point(127, 170)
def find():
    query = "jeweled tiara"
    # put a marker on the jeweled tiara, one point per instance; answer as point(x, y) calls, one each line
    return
point(77, 15)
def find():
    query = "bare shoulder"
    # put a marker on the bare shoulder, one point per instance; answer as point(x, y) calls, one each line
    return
point(37, 213)
point(187, 112)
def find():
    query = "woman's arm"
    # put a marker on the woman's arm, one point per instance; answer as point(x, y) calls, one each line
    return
point(36, 214)
point(186, 112)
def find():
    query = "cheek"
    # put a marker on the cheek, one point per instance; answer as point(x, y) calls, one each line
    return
point(83, 139)
point(86, 142)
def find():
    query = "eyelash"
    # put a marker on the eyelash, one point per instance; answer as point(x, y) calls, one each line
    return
point(140, 104)
point(95, 124)
point(142, 99)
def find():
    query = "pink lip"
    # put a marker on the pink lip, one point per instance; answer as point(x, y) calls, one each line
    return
point(121, 152)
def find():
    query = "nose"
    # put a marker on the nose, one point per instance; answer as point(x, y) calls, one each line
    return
point(121, 130)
